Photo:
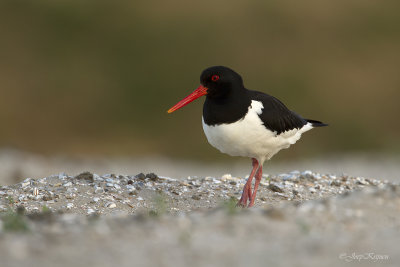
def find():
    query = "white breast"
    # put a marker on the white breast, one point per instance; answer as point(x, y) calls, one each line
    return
point(248, 137)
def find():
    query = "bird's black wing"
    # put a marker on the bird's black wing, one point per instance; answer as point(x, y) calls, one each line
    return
point(275, 115)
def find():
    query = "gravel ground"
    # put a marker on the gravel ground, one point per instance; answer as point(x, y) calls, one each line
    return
point(300, 219)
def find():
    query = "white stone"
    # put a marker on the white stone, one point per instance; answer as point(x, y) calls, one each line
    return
point(110, 205)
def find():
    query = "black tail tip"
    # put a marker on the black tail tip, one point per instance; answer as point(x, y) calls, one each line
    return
point(317, 123)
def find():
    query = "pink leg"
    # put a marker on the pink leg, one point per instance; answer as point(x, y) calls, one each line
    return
point(258, 180)
point(247, 187)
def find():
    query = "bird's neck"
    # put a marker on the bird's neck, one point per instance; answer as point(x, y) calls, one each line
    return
point(228, 109)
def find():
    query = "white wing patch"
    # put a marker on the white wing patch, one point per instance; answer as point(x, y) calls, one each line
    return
point(248, 137)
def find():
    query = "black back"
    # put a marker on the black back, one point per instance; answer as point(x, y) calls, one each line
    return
point(233, 104)
point(275, 115)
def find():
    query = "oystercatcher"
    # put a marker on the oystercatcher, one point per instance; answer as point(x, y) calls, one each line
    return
point(242, 122)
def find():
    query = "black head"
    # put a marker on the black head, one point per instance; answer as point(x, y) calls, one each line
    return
point(221, 85)
point(220, 81)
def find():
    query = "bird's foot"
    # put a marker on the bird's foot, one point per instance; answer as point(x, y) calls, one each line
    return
point(242, 203)
point(251, 204)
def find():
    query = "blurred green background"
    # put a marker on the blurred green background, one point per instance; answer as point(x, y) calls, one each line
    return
point(97, 77)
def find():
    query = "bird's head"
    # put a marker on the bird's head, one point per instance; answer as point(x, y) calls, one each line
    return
point(215, 82)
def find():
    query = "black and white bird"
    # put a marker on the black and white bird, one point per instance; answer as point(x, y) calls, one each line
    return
point(242, 122)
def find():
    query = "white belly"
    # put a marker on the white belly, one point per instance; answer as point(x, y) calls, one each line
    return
point(248, 137)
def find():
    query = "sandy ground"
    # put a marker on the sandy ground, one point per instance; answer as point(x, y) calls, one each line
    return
point(300, 219)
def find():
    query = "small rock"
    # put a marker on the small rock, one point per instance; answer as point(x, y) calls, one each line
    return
point(307, 173)
point(98, 190)
point(110, 205)
point(96, 199)
point(85, 176)
point(26, 182)
point(47, 197)
point(152, 176)
point(140, 176)
point(62, 176)
point(70, 205)
point(67, 184)
point(90, 211)
point(176, 193)
point(196, 197)
point(130, 188)
point(97, 177)
point(70, 196)
point(361, 181)
point(226, 177)
point(275, 188)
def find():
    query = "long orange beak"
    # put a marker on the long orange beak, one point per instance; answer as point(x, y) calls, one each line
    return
point(200, 91)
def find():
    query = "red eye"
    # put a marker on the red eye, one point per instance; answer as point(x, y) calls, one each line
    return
point(215, 78)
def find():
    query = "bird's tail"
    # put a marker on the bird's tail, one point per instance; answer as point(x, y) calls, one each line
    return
point(316, 123)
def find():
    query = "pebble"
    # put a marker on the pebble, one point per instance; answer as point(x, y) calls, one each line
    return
point(110, 205)
point(62, 176)
point(140, 176)
point(26, 182)
point(226, 177)
point(151, 176)
point(196, 197)
point(97, 177)
point(98, 190)
point(90, 211)
point(110, 188)
point(361, 181)
point(130, 187)
point(275, 188)
point(287, 177)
